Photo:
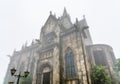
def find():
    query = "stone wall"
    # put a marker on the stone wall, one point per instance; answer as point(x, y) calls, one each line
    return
point(72, 39)
point(108, 58)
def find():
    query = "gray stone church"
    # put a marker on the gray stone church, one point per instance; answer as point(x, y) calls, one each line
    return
point(64, 54)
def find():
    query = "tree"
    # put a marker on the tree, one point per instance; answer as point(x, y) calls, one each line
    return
point(117, 67)
point(118, 64)
point(100, 76)
point(27, 80)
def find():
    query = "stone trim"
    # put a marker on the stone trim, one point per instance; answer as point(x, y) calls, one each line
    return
point(68, 31)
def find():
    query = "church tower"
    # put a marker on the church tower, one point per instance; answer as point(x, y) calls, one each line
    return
point(62, 55)
point(73, 58)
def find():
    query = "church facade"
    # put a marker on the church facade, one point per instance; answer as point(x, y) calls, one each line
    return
point(64, 54)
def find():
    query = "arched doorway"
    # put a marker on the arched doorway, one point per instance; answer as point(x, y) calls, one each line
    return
point(45, 74)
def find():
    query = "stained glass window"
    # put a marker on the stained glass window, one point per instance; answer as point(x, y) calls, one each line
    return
point(70, 64)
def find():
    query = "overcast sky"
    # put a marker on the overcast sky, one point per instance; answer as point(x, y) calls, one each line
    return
point(21, 21)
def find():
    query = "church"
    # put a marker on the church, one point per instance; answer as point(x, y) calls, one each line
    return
point(64, 54)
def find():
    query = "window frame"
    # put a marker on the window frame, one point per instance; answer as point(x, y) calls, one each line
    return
point(70, 68)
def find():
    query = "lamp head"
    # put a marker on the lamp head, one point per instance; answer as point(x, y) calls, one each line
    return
point(26, 73)
point(13, 70)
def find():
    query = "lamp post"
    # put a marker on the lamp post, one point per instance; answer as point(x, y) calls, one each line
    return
point(13, 70)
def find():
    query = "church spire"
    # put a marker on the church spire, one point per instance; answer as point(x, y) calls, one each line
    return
point(65, 12)
point(50, 12)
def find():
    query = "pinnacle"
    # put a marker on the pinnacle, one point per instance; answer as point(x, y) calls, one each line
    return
point(65, 12)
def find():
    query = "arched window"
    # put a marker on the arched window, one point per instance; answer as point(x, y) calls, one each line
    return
point(70, 64)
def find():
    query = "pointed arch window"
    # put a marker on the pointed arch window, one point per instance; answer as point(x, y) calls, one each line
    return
point(70, 64)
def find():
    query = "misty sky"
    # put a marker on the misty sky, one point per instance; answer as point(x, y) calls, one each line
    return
point(21, 21)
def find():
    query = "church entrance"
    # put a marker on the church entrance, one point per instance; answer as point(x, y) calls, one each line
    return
point(46, 78)
point(46, 74)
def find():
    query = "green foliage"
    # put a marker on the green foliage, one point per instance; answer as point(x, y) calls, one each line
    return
point(118, 64)
point(27, 80)
point(100, 76)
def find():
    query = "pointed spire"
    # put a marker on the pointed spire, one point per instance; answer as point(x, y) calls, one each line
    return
point(23, 46)
point(83, 16)
point(32, 42)
point(65, 12)
point(76, 20)
point(54, 15)
point(50, 12)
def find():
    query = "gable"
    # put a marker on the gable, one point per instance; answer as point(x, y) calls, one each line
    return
point(50, 24)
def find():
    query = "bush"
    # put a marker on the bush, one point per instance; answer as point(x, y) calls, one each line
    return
point(118, 64)
point(100, 76)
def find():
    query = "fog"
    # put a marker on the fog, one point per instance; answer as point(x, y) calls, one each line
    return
point(21, 21)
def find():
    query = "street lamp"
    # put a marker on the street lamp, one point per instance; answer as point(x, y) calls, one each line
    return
point(13, 70)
